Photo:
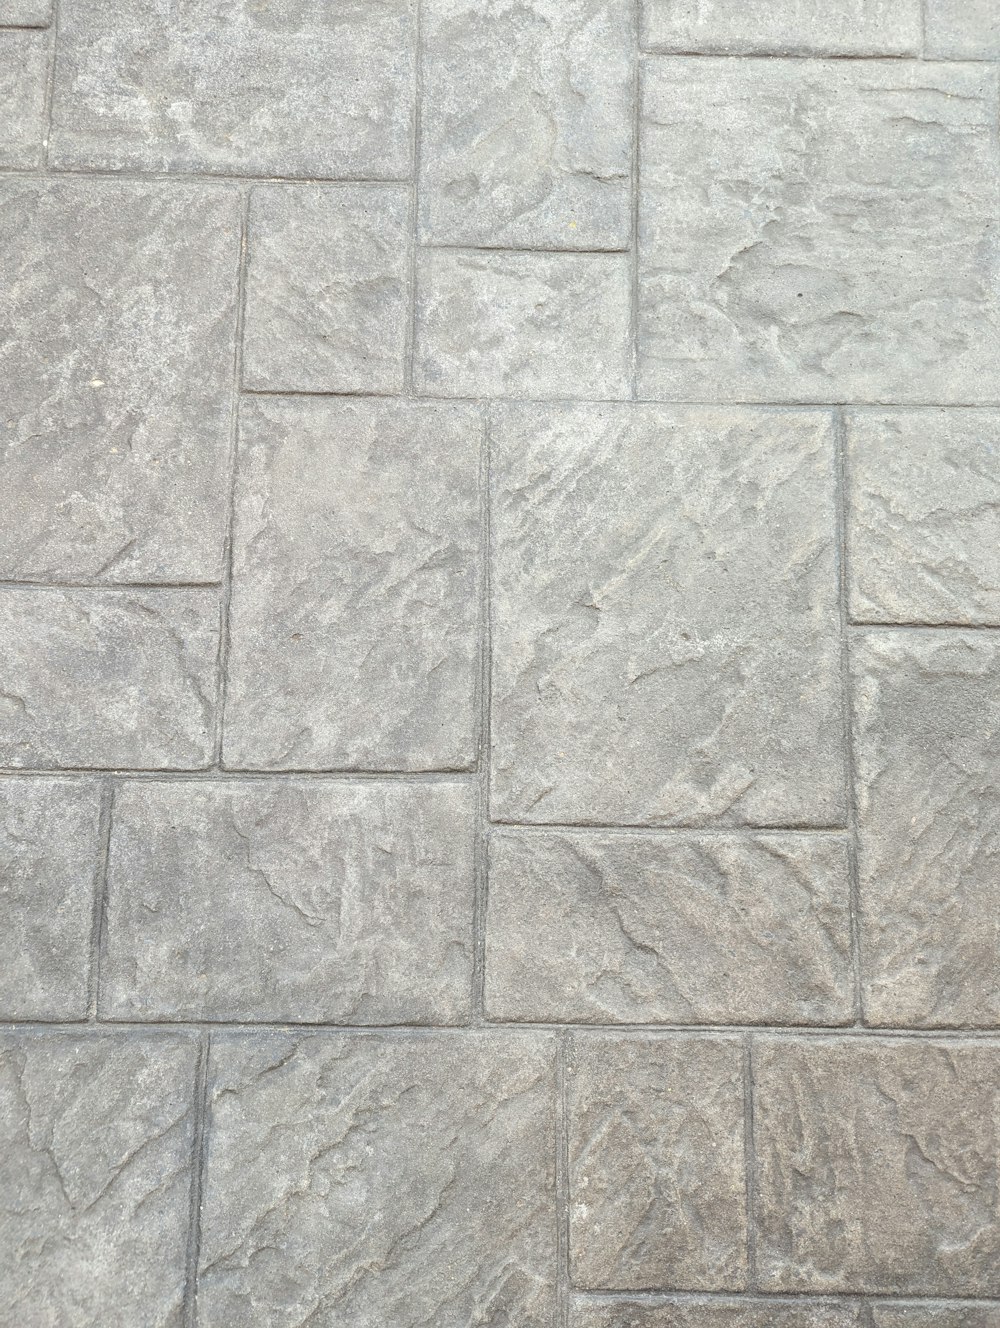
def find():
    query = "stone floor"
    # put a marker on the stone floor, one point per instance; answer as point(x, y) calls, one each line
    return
point(499, 668)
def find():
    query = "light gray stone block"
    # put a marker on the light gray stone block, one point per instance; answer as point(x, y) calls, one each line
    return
point(25, 13)
point(876, 1165)
point(656, 1163)
point(48, 866)
point(107, 678)
point(522, 324)
point(526, 123)
point(783, 27)
point(117, 364)
point(298, 901)
point(96, 1137)
point(366, 1179)
point(913, 1314)
point(243, 88)
point(665, 620)
point(963, 29)
point(327, 288)
point(719, 1312)
point(927, 753)
point(614, 928)
point(924, 516)
point(355, 586)
point(818, 231)
point(24, 64)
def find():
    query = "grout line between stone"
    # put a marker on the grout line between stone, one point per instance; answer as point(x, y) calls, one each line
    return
point(50, 83)
point(409, 351)
point(481, 876)
point(221, 178)
point(663, 403)
point(28, 584)
point(634, 201)
point(818, 1299)
point(562, 1187)
point(199, 1144)
point(750, 1163)
point(604, 827)
point(166, 775)
point(100, 898)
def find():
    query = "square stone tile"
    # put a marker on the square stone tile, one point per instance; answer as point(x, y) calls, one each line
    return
point(927, 755)
point(877, 1165)
point(783, 27)
point(522, 324)
point(963, 29)
point(243, 88)
point(400, 1179)
point(599, 927)
point(327, 288)
point(924, 516)
point(106, 678)
point(48, 869)
point(117, 362)
point(355, 611)
point(96, 1139)
point(290, 901)
point(717, 1312)
point(24, 65)
point(665, 617)
point(818, 231)
point(656, 1180)
point(25, 13)
point(526, 123)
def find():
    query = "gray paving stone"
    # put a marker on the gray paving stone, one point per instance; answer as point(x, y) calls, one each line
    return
point(355, 586)
point(48, 865)
point(327, 288)
point(522, 324)
point(916, 1315)
point(24, 63)
point(243, 88)
point(656, 1163)
point(877, 1165)
point(110, 679)
point(715, 1313)
point(924, 513)
point(611, 928)
point(963, 29)
point(25, 13)
point(283, 900)
point(665, 622)
point(371, 1180)
point(527, 123)
point(117, 363)
point(96, 1137)
point(783, 27)
point(927, 752)
point(818, 231)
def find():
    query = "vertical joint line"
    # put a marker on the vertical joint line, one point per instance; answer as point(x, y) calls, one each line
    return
point(636, 118)
point(483, 736)
point(99, 922)
point(750, 1163)
point(562, 1187)
point(50, 84)
point(200, 1108)
point(411, 322)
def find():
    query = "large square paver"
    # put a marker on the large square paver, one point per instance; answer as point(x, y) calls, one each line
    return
point(783, 27)
point(665, 617)
point(24, 65)
point(818, 231)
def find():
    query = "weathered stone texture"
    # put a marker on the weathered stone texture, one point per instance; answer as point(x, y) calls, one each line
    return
point(25, 13)
point(963, 29)
point(371, 1180)
point(24, 63)
point(783, 27)
point(913, 1314)
point(355, 586)
point(279, 900)
point(715, 1313)
point(665, 625)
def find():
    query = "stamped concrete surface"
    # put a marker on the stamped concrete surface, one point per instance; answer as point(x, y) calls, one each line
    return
point(499, 664)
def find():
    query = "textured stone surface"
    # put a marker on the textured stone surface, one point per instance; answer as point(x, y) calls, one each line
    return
point(355, 597)
point(527, 123)
point(715, 1313)
point(245, 88)
point(117, 364)
point(24, 62)
point(789, 27)
point(819, 231)
point(48, 864)
point(877, 1165)
point(913, 1314)
point(963, 29)
point(664, 617)
point(364, 1180)
point(96, 1134)
point(279, 900)
point(656, 1163)
point(613, 928)
point(106, 678)
point(927, 755)
point(25, 13)
point(522, 324)
point(924, 504)
point(327, 291)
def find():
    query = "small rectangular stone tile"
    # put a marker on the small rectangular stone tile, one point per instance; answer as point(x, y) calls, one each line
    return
point(963, 29)
point(356, 573)
point(48, 868)
point(401, 1179)
point(717, 1312)
point(877, 1165)
point(24, 65)
point(118, 370)
point(522, 324)
point(927, 756)
point(665, 616)
point(656, 1165)
point(107, 678)
point(327, 288)
point(276, 900)
point(96, 1140)
point(526, 123)
point(602, 927)
point(818, 231)
point(914, 1314)
point(783, 27)
point(25, 13)
point(291, 89)
point(924, 516)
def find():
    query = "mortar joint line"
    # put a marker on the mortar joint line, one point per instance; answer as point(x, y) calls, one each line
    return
point(750, 1163)
point(481, 874)
point(199, 1146)
point(99, 920)
point(50, 85)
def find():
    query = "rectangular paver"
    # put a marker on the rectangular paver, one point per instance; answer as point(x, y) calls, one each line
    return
point(918, 1314)
point(24, 65)
point(783, 27)
point(717, 1312)
point(25, 13)
point(963, 29)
